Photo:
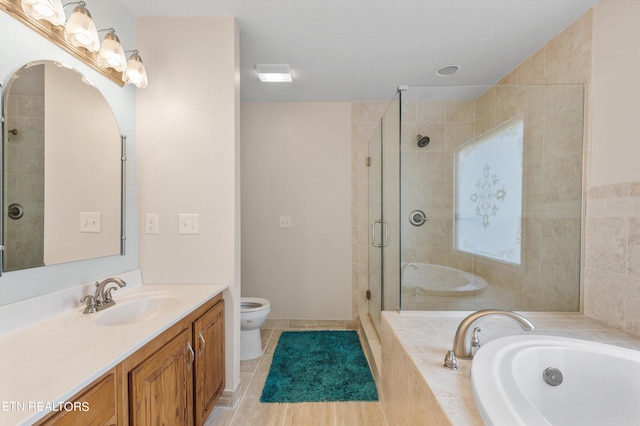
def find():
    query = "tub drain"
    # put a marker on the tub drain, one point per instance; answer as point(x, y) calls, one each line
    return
point(552, 376)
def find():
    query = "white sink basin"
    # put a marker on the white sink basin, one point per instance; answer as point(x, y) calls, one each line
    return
point(136, 310)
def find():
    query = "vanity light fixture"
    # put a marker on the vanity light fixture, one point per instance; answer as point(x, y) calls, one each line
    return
point(49, 10)
point(135, 73)
point(274, 73)
point(79, 37)
point(111, 54)
point(80, 30)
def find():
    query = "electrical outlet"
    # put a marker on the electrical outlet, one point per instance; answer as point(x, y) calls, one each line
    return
point(188, 223)
point(285, 221)
point(90, 222)
point(151, 223)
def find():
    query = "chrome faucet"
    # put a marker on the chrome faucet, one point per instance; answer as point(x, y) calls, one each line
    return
point(466, 338)
point(103, 298)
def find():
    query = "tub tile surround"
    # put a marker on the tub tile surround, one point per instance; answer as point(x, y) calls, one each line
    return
point(55, 351)
point(612, 256)
point(415, 388)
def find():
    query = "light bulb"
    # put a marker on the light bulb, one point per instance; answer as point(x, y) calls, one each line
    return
point(135, 73)
point(80, 30)
point(49, 10)
point(111, 54)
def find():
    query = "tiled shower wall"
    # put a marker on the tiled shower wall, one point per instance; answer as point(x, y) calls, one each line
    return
point(548, 276)
point(24, 159)
point(565, 59)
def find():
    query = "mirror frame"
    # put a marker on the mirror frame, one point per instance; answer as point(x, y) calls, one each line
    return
point(123, 184)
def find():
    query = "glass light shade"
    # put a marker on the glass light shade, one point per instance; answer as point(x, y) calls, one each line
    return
point(80, 30)
point(49, 10)
point(135, 73)
point(111, 54)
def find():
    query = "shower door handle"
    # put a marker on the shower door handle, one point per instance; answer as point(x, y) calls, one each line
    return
point(385, 234)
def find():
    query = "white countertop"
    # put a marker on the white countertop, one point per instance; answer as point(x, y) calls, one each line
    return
point(48, 361)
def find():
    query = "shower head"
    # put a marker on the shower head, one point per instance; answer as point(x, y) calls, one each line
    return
point(423, 140)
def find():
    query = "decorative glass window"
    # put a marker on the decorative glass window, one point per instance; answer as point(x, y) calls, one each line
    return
point(488, 215)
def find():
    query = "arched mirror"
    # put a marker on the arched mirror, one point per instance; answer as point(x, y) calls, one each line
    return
point(62, 169)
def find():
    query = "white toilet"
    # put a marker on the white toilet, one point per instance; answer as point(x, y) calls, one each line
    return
point(253, 314)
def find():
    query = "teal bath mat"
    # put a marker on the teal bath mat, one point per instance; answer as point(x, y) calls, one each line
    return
point(317, 366)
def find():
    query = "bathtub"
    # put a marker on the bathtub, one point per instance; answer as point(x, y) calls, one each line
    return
point(600, 384)
point(440, 280)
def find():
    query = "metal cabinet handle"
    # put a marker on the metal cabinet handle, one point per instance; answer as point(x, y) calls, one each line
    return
point(202, 343)
point(193, 355)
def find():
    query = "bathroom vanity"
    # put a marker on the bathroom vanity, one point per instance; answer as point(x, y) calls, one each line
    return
point(165, 365)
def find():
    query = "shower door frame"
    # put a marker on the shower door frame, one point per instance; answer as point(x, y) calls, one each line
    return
point(384, 208)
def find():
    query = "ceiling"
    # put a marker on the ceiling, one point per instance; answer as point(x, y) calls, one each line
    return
point(362, 50)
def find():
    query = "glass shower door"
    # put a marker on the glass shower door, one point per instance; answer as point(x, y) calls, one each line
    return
point(384, 235)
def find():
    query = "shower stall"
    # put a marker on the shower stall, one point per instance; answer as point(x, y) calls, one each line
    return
point(475, 199)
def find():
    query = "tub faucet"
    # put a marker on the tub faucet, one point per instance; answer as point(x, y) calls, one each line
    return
point(463, 339)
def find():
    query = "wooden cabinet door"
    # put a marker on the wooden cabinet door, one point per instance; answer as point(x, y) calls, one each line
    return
point(93, 406)
point(208, 335)
point(160, 388)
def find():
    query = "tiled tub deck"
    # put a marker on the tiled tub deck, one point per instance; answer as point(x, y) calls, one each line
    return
point(417, 389)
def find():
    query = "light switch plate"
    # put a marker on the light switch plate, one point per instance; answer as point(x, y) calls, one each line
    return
point(285, 221)
point(188, 223)
point(90, 222)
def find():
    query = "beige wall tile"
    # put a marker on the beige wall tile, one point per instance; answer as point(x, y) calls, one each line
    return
point(564, 47)
point(460, 111)
point(531, 71)
point(632, 316)
point(604, 296)
point(606, 245)
point(633, 248)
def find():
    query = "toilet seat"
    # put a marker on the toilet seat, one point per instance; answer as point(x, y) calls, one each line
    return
point(253, 304)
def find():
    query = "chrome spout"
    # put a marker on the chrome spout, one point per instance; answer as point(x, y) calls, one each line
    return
point(463, 339)
point(103, 296)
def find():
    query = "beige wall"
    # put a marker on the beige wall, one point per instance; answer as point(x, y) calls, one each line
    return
point(612, 246)
point(616, 93)
point(296, 162)
point(84, 134)
point(187, 127)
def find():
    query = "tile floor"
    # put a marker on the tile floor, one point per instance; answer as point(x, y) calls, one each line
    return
point(250, 411)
